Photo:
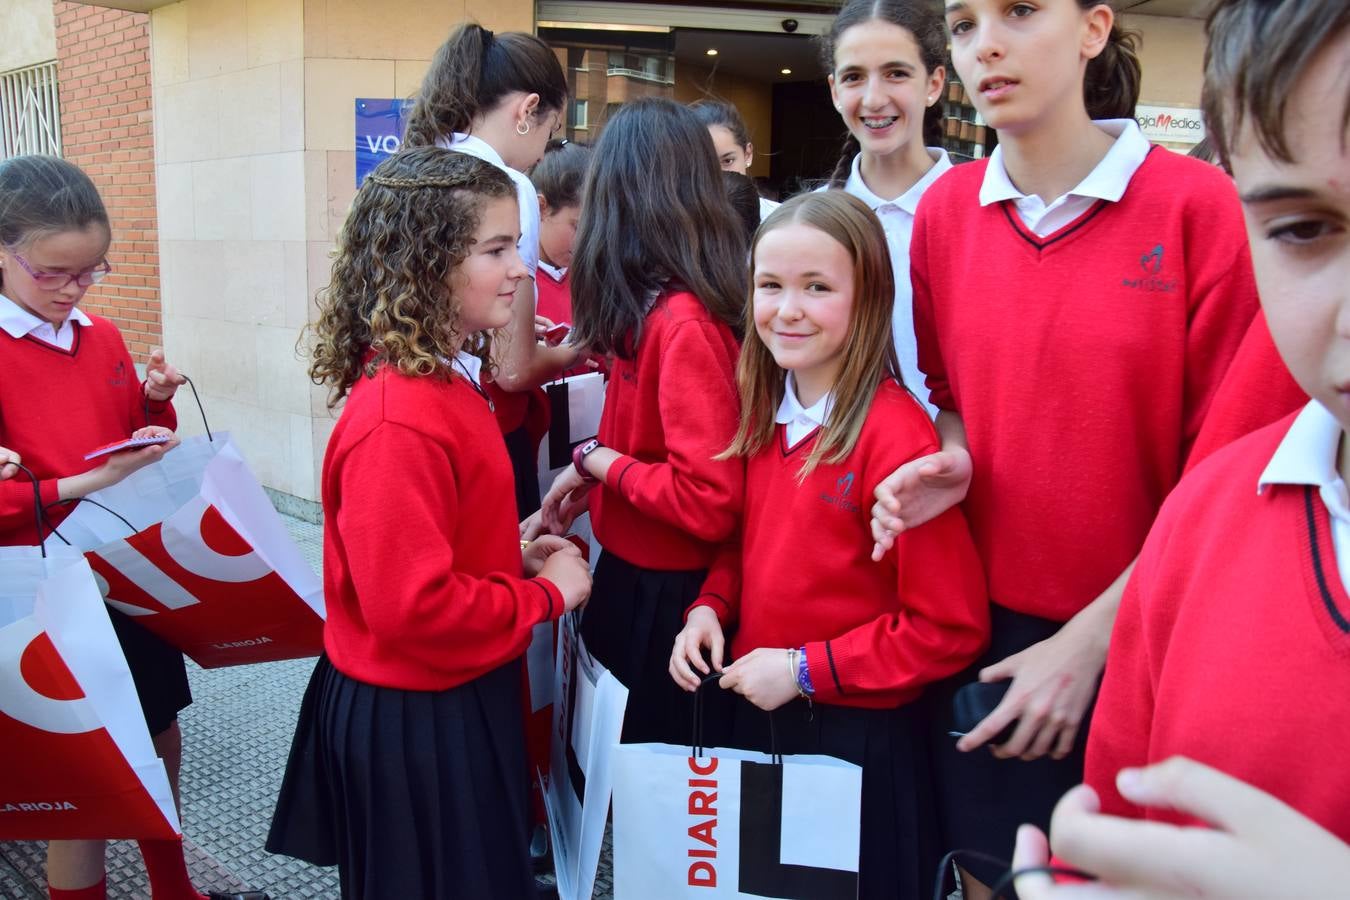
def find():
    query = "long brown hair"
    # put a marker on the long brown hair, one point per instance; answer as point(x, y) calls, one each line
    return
point(411, 224)
point(653, 209)
point(869, 353)
point(471, 73)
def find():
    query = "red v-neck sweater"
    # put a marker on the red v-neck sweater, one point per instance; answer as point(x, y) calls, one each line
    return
point(802, 574)
point(666, 503)
point(57, 405)
point(1082, 363)
point(1232, 645)
point(421, 554)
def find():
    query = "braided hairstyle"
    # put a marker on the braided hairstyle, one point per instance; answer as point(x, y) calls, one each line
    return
point(389, 300)
point(924, 22)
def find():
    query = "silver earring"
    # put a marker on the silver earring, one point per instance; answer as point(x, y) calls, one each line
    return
point(522, 131)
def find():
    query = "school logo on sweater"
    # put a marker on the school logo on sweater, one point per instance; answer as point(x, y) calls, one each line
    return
point(119, 376)
point(1153, 279)
point(843, 488)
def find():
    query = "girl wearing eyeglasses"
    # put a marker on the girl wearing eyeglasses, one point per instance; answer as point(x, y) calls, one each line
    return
point(70, 387)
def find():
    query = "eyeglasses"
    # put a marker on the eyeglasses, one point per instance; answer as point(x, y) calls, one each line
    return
point(55, 281)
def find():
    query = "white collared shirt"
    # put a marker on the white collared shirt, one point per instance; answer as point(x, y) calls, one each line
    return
point(469, 366)
point(1107, 181)
point(897, 219)
point(553, 271)
point(19, 322)
point(526, 195)
point(1307, 455)
point(801, 420)
point(767, 206)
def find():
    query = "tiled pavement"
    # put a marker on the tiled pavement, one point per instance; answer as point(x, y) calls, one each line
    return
point(236, 736)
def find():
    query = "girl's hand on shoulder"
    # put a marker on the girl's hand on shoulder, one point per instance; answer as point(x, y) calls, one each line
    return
point(564, 501)
point(920, 490)
point(9, 463)
point(161, 379)
point(701, 629)
point(762, 677)
point(568, 572)
point(1053, 683)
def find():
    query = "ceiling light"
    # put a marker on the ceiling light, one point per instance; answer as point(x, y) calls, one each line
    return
point(785, 71)
point(712, 51)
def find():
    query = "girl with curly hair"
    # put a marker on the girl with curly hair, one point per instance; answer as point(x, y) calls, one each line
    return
point(407, 768)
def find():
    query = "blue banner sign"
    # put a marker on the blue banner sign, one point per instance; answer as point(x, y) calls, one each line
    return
point(379, 131)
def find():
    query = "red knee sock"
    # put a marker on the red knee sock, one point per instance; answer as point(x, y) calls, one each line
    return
point(93, 892)
point(167, 869)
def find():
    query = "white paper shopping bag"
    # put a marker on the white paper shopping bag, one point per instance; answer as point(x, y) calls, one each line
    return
point(76, 760)
point(587, 718)
point(210, 567)
point(732, 823)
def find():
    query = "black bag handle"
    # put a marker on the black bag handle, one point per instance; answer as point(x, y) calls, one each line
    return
point(696, 745)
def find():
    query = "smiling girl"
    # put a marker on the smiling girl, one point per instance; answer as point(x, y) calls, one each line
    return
point(1078, 297)
point(885, 59)
point(408, 766)
point(823, 415)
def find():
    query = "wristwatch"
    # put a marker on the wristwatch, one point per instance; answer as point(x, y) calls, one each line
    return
point(579, 454)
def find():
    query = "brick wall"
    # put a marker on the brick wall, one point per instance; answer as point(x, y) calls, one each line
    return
point(103, 67)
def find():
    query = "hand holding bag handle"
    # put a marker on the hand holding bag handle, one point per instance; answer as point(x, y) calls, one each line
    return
point(696, 744)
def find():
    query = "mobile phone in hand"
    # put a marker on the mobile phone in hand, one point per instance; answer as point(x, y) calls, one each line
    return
point(128, 444)
point(557, 334)
point(973, 703)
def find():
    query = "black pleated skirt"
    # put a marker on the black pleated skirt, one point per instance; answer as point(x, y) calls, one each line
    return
point(981, 798)
point(157, 670)
point(524, 455)
point(898, 854)
point(410, 793)
point(629, 626)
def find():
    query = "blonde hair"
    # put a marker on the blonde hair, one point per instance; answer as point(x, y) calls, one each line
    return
point(868, 354)
point(389, 301)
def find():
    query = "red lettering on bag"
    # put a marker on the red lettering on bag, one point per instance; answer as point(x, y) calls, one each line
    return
point(711, 767)
point(702, 874)
point(701, 803)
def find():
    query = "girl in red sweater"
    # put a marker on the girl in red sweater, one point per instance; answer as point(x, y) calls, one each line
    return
point(407, 769)
point(59, 361)
point(558, 178)
point(658, 281)
point(1078, 296)
point(823, 414)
